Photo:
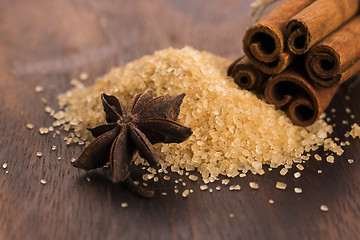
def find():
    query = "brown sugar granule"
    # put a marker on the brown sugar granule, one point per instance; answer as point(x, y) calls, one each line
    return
point(233, 130)
point(281, 185)
point(355, 130)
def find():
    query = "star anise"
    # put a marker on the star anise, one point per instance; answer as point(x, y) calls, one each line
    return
point(149, 121)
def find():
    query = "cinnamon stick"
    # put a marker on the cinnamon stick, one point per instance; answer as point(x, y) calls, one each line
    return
point(265, 44)
point(328, 60)
point(245, 75)
point(317, 21)
point(302, 100)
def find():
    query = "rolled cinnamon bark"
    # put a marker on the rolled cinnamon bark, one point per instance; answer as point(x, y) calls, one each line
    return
point(317, 21)
point(302, 100)
point(331, 57)
point(265, 44)
point(245, 75)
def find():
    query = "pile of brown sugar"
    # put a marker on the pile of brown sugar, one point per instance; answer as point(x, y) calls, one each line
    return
point(233, 130)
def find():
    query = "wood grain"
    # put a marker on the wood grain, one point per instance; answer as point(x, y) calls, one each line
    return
point(48, 42)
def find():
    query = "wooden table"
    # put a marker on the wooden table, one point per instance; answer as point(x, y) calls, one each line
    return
point(47, 43)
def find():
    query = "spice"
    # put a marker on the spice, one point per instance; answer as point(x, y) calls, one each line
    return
point(335, 56)
point(265, 42)
point(303, 101)
point(246, 76)
point(316, 21)
point(149, 121)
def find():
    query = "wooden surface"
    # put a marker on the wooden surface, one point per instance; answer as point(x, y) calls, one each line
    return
point(48, 42)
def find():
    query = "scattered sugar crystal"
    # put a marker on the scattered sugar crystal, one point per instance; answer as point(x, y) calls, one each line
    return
point(235, 187)
point(300, 167)
point(176, 190)
point(347, 110)
point(242, 175)
point(42, 181)
point(210, 190)
point(317, 157)
point(193, 178)
point(225, 181)
point(4, 166)
point(297, 190)
point(253, 185)
point(53, 148)
point(166, 177)
point(203, 187)
point(231, 215)
point(212, 98)
point(39, 89)
point(48, 109)
point(29, 126)
point(83, 76)
point(218, 188)
point(281, 185)
point(185, 193)
point(271, 201)
point(330, 159)
point(355, 130)
point(350, 160)
point(283, 171)
point(88, 179)
point(319, 171)
point(124, 204)
point(164, 193)
point(39, 154)
point(297, 174)
point(324, 208)
point(72, 160)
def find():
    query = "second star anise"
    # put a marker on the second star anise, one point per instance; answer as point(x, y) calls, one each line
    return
point(149, 121)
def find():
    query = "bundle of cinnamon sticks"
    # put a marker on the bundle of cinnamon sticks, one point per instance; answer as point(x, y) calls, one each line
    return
point(299, 54)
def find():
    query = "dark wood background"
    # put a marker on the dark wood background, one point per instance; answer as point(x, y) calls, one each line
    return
point(47, 43)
